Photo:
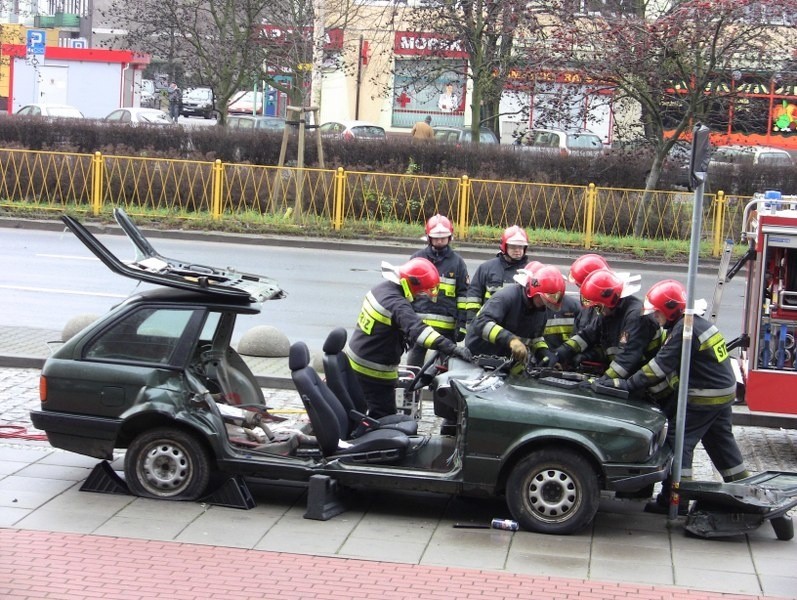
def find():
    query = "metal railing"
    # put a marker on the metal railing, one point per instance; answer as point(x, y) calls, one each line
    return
point(339, 199)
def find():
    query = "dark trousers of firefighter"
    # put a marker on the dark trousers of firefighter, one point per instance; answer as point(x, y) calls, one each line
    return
point(379, 395)
point(711, 425)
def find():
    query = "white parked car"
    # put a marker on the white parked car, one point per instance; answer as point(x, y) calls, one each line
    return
point(764, 156)
point(132, 115)
point(50, 110)
point(562, 142)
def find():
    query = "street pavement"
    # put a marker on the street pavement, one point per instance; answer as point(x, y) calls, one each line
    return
point(59, 542)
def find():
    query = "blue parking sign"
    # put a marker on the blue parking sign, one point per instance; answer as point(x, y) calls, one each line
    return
point(36, 39)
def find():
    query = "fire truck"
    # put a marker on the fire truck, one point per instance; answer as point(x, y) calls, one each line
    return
point(766, 362)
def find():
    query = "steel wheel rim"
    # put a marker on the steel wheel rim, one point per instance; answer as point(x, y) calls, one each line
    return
point(165, 468)
point(553, 495)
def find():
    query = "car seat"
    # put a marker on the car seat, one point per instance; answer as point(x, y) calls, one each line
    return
point(330, 422)
point(343, 382)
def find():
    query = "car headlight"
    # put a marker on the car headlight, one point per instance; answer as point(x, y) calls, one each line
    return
point(659, 439)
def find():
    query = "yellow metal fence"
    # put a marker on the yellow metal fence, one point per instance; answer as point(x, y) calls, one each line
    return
point(339, 198)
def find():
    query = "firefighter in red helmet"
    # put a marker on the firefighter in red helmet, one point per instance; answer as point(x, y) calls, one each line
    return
point(493, 274)
point(447, 314)
point(711, 390)
point(387, 324)
point(626, 336)
point(512, 321)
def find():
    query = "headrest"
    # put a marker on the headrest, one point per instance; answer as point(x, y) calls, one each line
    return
point(336, 341)
point(299, 356)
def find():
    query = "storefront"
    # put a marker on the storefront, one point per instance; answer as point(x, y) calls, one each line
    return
point(430, 75)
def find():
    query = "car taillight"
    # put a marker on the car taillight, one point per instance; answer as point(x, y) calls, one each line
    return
point(348, 135)
point(43, 388)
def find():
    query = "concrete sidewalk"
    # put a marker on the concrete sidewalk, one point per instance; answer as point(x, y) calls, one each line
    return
point(59, 542)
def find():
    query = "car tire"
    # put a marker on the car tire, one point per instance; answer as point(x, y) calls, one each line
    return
point(553, 491)
point(167, 463)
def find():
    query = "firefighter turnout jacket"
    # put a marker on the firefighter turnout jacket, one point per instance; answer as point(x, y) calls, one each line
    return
point(490, 276)
point(628, 338)
point(712, 381)
point(386, 327)
point(509, 313)
point(560, 324)
point(447, 314)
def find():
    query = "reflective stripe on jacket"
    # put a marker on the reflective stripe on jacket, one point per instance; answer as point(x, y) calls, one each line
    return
point(490, 276)
point(386, 327)
point(712, 381)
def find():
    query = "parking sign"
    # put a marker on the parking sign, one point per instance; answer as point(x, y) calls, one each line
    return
point(36, 41)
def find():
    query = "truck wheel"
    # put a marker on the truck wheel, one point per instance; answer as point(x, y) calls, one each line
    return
point(784, 527)
point(553, 491)
point(167, 463)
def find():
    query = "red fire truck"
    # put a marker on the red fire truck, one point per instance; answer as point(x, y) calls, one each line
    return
point(767, 345)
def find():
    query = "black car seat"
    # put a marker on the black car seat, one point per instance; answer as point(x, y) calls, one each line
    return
point(329, 419)
point(343, 382)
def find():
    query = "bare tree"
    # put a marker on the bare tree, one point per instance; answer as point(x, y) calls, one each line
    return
point(489, 32)
point(674, 63)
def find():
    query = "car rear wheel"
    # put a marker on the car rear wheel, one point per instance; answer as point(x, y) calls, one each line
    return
point(553, 491)
point(167, 463)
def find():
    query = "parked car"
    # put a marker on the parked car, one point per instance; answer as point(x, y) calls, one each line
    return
point(255, 122)
point(158, 377)
point(136, 116)
point(463, 135)
point(764, 156)
point(50, 110)
point(198, 102)
point(246, 103)
point(350, 130)
point(563, 142)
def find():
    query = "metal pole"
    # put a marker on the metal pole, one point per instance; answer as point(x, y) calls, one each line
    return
point(698, 172)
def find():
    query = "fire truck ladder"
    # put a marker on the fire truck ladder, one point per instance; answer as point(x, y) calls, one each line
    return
point(722, 279)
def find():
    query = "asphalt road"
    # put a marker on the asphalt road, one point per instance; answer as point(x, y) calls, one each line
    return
point(49, 277)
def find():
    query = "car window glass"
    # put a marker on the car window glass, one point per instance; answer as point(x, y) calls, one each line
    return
point(775, 159)
point(146, 335)
point(584, 142)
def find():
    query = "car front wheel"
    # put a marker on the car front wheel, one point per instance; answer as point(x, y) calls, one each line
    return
point(167, 463)
point(553, 491)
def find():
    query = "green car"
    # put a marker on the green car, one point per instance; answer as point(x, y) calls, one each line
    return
point(157, 376)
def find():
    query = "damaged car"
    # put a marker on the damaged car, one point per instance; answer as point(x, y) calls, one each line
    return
point(158, 378)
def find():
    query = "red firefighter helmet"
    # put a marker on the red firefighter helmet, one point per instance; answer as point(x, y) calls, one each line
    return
point(532, 266)
point(514, 236)
point(584, 265)
point(419, 277)
point(601, 288)
point(439, 226)
point(668, 297)
point(548, 283)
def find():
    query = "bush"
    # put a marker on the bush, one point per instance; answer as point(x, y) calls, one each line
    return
point(398, 155)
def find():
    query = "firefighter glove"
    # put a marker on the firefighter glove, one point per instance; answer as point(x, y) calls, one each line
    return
point(550, 359)
point(564, 354)
point(463, 353)
point(519, 350)
point(612, 382)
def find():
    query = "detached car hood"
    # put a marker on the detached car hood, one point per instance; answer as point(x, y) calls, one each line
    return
point(151, 267)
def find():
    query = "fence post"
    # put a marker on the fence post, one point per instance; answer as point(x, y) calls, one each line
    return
point(589, 215)
point(463, 208)
point(339, 199)
point(217, 179)
point(97, 181)
point(720, 202)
